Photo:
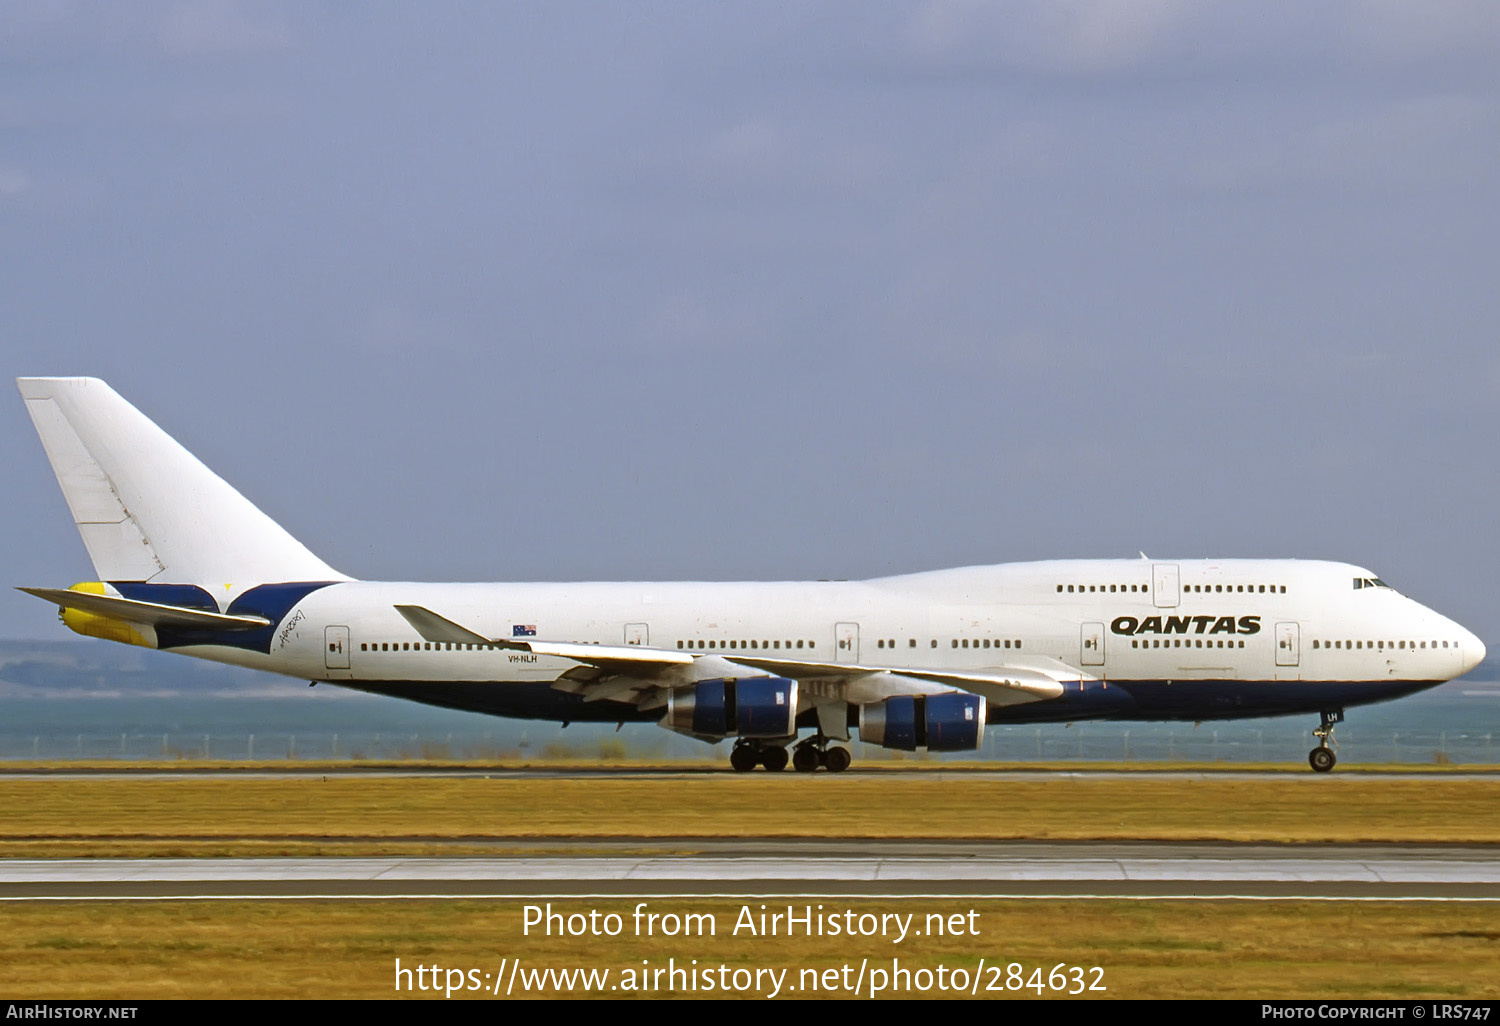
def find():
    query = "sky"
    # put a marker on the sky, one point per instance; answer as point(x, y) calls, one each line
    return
point(559, 291)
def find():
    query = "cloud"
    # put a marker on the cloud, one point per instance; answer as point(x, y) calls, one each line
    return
point(1432, 140)
point(221, 27)
point(13, 180)
point(1108, 37)
point(1058, 35)
point(52, 31)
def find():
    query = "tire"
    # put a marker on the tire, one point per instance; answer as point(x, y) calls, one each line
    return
point(774, 759)
point(743, 758)
point(805, 759)
point(1321, 759)
point(837, 759)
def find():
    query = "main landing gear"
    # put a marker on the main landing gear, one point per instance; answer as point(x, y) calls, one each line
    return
point(806, 758)
point(1321, 758)
point(747, 755)
point(815, 752)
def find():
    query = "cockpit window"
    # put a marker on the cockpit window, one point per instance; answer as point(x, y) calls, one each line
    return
point(1369, 582)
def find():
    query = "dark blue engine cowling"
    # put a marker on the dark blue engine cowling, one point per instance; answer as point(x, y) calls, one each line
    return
point(748, 707)
point(952, 722)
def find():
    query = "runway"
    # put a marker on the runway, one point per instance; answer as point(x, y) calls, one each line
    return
point(740, 869)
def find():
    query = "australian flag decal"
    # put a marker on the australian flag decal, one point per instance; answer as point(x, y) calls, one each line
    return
point(523, 630)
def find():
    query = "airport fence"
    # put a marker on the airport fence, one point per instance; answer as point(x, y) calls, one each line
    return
point(1144, 743)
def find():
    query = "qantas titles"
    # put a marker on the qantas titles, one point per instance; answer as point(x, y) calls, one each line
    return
point(1185, 625)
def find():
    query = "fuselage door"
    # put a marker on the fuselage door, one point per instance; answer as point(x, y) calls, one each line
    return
point(846, 643)
point(1092, 645)
point(336, 648)
point(1288, 644)
point(1164, 585)
point(637, 634)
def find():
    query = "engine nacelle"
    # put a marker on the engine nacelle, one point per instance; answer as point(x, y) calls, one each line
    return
point(952, 722)
point(764, 707)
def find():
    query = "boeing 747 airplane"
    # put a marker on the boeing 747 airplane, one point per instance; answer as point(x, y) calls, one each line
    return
point(785, 668)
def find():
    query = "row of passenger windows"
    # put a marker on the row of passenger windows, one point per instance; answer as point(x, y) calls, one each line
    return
point(699, 643)
point(1105, 587)
point(1253, 588)
point(1183, 643)
point(1381, 645)
point(419, 646)
point(695, 644)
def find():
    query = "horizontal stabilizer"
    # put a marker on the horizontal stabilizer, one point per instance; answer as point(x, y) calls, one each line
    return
point(616, 658)
point(153, 613)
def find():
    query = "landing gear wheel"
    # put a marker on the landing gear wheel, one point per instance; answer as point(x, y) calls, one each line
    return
point(744, 758)
point(1321, 758)
point(836, 760)
point(806, 759)
point(774, 758)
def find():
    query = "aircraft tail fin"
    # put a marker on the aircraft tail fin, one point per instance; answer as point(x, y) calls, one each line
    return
point(149, 510)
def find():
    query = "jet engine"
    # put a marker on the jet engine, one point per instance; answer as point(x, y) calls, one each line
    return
point(952, 722)
point(757, 707)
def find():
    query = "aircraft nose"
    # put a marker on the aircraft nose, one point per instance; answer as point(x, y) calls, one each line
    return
point(1472, 650)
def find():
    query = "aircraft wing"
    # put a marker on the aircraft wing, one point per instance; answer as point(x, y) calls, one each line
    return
point(154, 613)
point(1005, 686)
point(636, 659)
point(642, 671)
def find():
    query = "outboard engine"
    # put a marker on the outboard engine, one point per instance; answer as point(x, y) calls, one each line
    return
point(952, 722)
point(757, 707)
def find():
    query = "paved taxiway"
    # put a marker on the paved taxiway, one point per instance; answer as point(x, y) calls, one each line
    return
point(774, 868)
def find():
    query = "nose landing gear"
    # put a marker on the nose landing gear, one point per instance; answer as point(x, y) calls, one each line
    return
point(1321, 758)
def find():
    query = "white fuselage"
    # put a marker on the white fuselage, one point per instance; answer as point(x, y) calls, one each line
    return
point(1126, 622)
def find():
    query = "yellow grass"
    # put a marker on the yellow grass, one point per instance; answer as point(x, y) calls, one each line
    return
point(421, 814)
